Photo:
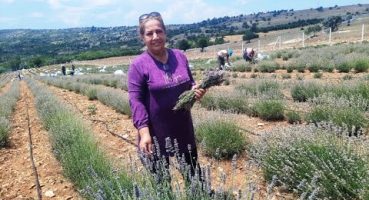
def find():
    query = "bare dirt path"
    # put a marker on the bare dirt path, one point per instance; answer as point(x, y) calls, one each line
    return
point(17, 176)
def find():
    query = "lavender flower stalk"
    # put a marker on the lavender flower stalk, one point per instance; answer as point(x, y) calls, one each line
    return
point(187, 98)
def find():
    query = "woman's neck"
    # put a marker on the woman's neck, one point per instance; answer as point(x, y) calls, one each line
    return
point(161, 56)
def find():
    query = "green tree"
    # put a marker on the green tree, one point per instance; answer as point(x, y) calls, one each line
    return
point(15, 63)
point(313, 29)
point(37, 62)
point(219, 40)
point(248, 35)
point(184, 45)
point(202, 43)
point(333, 22)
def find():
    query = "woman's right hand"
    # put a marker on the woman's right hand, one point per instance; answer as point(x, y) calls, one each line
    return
point(145, 144)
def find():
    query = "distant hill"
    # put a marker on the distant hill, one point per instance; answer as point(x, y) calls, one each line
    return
point(23, 48)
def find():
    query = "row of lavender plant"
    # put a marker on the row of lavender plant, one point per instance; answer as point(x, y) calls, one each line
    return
point(342, 57)
point(314, 162)
point(5, 78)
point(8, 101)
point(115, 98)
point(110, 80)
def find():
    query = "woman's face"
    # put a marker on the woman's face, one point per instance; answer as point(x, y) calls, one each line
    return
point(154, 36)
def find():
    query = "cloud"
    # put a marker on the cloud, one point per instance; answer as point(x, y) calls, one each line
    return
point(94, 3)
point(193, 11)
point(37, 14)
point(7, 1)
point(7, 20)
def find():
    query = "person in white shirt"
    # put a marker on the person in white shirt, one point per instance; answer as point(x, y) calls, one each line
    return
point(223, 55)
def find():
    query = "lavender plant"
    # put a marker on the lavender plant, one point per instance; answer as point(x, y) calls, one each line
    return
point(222, 135)
point(314, 162)
point(7, 105)
point(187, 98)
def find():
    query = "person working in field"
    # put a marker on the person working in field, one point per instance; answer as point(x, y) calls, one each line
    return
point(223, 55)
point(249, 55)
point(156, 78)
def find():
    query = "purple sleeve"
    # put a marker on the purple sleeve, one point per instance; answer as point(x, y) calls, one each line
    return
point(136, 90)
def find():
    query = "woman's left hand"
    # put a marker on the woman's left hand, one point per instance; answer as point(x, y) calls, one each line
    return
point(199, 93)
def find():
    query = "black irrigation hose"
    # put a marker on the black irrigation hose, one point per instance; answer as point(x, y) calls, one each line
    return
point(37, 181)
point(113, 133)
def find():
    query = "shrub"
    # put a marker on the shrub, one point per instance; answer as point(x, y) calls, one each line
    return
point(318, 114)
point(361, 65)
point(234, 75)
point(267, 66)
point(7, 104)
point(4, 131)
point(346, 117)
point(269, 110)
point(313, 67)
point(290, 69)
point(239, 68)
point(265, 88)
point(300, 68)
point(293, 117)
point(328, 68)
point(314, 163)
point(220, 139)
point(303, 91)
point(231, 103)
point(343, 67)
point(114, 98)
point(90, 92)
point(253, 75)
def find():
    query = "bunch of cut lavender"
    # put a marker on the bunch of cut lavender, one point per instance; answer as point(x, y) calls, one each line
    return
point(187, 98)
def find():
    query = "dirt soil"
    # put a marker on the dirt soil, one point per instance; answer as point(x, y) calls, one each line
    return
point(17, 176)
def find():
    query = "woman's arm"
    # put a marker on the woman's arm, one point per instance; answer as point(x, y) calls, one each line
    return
point(137, 88)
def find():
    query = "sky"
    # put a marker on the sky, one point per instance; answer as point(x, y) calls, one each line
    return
point(55, 14)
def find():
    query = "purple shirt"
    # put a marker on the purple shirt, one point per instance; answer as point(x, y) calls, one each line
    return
point(153, 89)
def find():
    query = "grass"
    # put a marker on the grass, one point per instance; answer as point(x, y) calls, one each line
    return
point(220, 139)
point(314, 163)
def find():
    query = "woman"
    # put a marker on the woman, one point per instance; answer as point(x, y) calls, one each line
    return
point(155, 80)
point(222, 56)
